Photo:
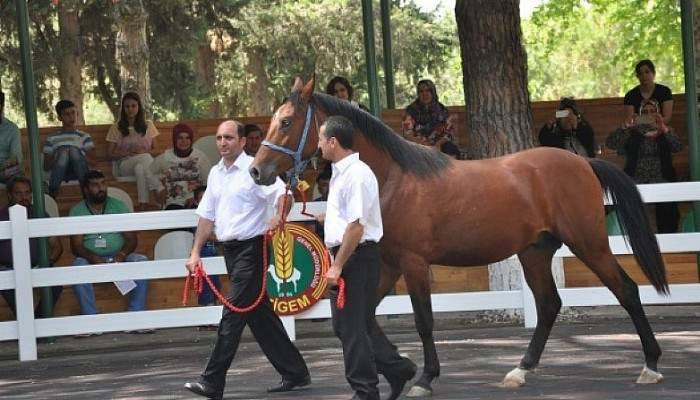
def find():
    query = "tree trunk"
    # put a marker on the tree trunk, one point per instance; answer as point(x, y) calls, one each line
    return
point(494, 65)
point(499, 116)
point(70, 63)
point(259, 95)
point(132, 50)
point(205, 71)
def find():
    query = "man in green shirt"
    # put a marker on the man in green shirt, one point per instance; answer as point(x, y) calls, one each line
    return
point(10, 146)
point(101, 248)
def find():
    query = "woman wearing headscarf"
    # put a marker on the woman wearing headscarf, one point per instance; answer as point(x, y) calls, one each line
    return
point(648, 146)
point(130, 142)
point(180, 170)
point(426, 119)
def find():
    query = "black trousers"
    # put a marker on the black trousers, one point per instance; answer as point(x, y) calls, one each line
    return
point(353, 324)
point(245, 269)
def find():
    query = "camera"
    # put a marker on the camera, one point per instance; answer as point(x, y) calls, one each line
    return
point(562, 113)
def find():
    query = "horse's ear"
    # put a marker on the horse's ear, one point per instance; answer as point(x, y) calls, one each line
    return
point(298, 84)
point(308, 89)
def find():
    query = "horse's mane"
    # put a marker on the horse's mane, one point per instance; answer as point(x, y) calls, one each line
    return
point(411, 157)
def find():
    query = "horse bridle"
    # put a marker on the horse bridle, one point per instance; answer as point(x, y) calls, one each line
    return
point(299, 164)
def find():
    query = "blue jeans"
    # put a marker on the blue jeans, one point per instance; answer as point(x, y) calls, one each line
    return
point(86, 295)
point(207, 297)
point(69, 163)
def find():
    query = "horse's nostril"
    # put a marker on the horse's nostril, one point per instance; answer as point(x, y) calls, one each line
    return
point(254, 173)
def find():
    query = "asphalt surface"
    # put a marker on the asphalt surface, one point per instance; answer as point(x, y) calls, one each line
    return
point(587, 357)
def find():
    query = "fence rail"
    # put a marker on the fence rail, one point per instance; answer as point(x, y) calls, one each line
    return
point(23, 279)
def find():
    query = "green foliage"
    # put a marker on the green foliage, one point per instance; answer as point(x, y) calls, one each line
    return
point(589, 48)
point(585, 48)
point(325, 37)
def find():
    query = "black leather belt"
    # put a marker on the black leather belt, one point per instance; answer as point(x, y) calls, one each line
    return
point(234, 242)
point(366, 243)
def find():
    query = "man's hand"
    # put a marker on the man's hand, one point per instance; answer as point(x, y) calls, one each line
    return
point(333, 274)
point(120, 257)
point(192, 262)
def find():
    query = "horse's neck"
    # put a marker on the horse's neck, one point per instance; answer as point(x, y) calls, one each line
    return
point(379, 162)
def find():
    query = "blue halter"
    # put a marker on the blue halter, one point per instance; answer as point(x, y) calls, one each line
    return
point(299, 164)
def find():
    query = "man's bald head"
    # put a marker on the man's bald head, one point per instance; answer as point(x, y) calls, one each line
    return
point(230, 140)
point(231, 126)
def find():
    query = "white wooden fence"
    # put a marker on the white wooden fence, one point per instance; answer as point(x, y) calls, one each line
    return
point(23, 279)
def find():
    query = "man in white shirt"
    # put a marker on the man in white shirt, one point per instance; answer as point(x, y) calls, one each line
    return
point(353, 228)
point(240, 212)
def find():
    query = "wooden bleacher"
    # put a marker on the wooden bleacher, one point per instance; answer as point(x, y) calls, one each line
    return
point(603, 114)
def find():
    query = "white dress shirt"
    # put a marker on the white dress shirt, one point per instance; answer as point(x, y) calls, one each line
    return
point(239, 208)
point(353, 195)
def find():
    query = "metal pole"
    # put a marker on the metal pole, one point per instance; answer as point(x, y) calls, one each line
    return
point(33, 139)
point(691, 100)
point(385, 6)
point(370, 58)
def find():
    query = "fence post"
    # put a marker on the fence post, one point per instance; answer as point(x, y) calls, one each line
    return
point(529, 307)
point(288, 322)
point(24, 297)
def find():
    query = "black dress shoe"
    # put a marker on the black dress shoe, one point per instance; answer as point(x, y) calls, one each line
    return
point(398, 381)
point(204, 390)
point(287, 385)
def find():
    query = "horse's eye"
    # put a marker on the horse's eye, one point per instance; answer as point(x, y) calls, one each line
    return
point(286, 123)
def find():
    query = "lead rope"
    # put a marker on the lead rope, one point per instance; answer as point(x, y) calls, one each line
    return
point(197, 278)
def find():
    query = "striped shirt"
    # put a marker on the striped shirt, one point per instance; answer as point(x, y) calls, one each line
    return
point(79, 139)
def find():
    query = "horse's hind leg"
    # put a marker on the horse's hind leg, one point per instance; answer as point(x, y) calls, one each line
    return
point(605, 266)
point(537, 268)
point(417, 276)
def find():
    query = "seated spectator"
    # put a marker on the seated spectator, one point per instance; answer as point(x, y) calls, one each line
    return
point(19, 191)
point(101, 248)
point(323, 181)
point(569, 130)
point(426, 119)
point(130, 142)
point(648, 89)
point(67, 152)
point(180, 171)
point(647, 146)
point(10, 146)
point(341, 88)
point(254, 136)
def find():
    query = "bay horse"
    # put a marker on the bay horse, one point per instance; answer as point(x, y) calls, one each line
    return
point(436, 210)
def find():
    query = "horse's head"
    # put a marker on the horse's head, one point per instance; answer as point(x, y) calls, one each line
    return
point(292, 138)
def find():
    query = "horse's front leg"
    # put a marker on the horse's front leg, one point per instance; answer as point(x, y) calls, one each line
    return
point(417, 275)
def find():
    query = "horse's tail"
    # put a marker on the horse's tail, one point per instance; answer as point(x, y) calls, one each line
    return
point(633, 220)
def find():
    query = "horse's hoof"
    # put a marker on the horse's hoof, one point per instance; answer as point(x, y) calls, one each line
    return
point(649, 376)
point(419, 391)
point(515, 378)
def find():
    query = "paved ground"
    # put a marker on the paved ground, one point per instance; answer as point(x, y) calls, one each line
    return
point(586, 358)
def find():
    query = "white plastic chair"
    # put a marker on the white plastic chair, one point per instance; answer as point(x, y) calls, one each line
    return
point(207, 145)
point(173, 245)
point(50, 206)
point(121, 195)
point(121, 178)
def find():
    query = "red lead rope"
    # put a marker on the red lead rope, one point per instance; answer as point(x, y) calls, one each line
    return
point(199, 275)
point(340, 300)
